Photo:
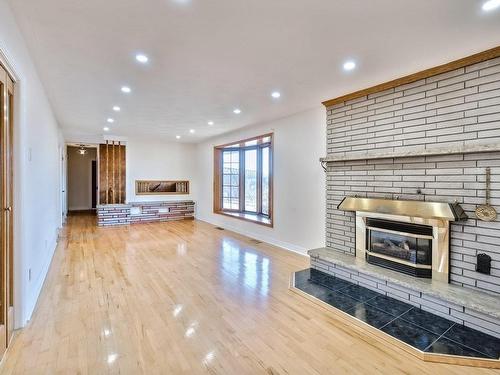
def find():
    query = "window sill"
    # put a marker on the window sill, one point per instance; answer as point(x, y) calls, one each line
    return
point(253, 218)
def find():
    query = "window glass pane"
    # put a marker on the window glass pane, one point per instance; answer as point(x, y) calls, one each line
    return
point(251, 143)
point(251, 180)
point(235, 204)
point(266, 139)
point(230, 180)
point(235, 156)
point(265, 180)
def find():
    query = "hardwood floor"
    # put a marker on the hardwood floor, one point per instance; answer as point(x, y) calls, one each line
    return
point(186, 298)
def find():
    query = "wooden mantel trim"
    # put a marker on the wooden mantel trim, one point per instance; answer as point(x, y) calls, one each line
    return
point(469, 60)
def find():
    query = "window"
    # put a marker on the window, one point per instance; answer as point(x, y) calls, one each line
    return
point(243, 179)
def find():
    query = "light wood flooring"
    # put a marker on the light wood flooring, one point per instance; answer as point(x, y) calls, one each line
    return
point(187, 298)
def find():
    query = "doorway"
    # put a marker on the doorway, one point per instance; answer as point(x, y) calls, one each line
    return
point(82, 178)
point(94, 184)
point(7, 209)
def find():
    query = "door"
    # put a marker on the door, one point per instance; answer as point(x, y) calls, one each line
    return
point(6, 208)
point(94, 184)
point(63, 182)
point(9, 204)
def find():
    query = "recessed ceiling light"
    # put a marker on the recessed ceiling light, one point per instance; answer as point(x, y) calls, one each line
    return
point(490, 5)
point(349, 65)
point(192, 131)
point(142, 58)
point(126, 89)
point(178, 137)
point(210, 123)
point(237, 111)
point(110, 120)
point(116, 108)
point(276, 95)
point(106, 129)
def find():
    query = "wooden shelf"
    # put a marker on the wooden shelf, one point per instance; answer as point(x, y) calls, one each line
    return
point(161, 187)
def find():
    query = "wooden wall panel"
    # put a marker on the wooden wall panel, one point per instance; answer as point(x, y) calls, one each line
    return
point(112, 173)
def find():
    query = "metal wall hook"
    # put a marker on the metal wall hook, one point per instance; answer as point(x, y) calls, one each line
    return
point(323, 165)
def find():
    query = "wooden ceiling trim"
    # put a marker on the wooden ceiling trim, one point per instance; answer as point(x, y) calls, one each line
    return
point(457, 64)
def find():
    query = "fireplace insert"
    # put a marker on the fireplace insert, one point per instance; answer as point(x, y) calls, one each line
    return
point(404, 247)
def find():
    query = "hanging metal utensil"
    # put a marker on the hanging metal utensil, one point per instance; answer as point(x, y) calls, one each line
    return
point(485, 212)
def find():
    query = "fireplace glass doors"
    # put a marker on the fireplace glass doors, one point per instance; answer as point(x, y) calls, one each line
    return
point(404, 247)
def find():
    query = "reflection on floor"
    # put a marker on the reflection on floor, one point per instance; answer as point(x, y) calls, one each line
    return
point(185, 298)
point(418, 328)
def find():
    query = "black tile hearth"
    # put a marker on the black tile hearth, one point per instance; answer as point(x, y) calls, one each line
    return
point(301, 277)
point(445, 346)
point(371, 315)
point(416, 327)
point(331, 282)
point(411, 334)
point(359, 293)
point(315, 290)
point(389, 305)
point(475, 340)
point(426, 320)
point(341, 301)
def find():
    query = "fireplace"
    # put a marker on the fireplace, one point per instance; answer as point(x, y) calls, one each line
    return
point(410, 237)
point(405, 247)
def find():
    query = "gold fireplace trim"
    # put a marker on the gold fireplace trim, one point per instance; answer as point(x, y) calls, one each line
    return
point(425, 210)
point(440, 240)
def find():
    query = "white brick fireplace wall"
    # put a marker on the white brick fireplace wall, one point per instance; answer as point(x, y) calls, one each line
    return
point(460, 108)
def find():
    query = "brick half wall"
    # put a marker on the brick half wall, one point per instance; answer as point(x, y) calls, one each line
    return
point(144, 212)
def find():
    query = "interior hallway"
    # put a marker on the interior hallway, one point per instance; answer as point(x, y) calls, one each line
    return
point(184, 297)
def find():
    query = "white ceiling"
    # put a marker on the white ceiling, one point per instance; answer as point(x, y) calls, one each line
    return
point(209, 56)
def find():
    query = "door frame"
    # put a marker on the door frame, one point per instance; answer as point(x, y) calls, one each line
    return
point(7, 251)
point(15, 313)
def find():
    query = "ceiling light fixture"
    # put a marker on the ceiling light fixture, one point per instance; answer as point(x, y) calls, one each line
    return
point(177, 137)
point(82, 150)
point(276, 94)
point(192, 131)
point(490, 5)
point(126, 89)
point(349, 65)
point(110, 120)
point(142, 58)
point(106, 129)
point(116, 108)
point(210, 123)
point(237, 111)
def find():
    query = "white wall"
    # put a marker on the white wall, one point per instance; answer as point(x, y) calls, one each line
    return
point(157, 160)
point(37, 211)
point(299, 182)
point(80, 178)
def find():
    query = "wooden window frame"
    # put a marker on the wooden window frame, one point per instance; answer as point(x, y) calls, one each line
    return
point(254, 217)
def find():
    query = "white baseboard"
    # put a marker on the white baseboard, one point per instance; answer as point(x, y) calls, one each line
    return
point(268, 239)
